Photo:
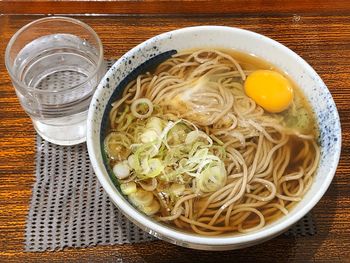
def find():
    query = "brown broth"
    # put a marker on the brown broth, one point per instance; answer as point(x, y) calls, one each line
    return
point(252, 62)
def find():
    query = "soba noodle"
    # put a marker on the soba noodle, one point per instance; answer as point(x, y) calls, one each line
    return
point(259, 166)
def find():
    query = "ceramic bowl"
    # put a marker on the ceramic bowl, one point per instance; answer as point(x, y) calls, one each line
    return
point(159, 48)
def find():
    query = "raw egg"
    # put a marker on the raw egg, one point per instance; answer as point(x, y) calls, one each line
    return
point(269, 89)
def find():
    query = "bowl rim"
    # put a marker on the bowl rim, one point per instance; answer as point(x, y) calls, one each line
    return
point(160, 230)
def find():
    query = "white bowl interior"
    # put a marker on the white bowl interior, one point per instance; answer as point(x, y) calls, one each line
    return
point(241, 40)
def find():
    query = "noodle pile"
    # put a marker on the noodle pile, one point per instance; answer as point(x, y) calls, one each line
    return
point(269, 165)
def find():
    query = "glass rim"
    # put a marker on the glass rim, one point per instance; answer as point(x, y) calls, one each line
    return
point(47, 19)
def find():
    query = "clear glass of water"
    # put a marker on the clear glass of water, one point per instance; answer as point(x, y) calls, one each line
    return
point(55, 64)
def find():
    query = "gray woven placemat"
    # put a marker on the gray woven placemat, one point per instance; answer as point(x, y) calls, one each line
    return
point(70, 209)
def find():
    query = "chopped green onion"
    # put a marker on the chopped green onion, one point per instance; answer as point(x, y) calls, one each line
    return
point(177, 189)
point(121, 170)
point(212, 178)
point(141, 198)
point(152, 209)
point(128, 188)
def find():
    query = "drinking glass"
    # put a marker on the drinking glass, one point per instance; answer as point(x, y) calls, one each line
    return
point(55, 64)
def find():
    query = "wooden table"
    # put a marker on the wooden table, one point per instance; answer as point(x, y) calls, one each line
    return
point(320, 33)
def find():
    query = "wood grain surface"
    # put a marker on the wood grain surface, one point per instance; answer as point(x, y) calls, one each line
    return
point(171, 6)
point(321, 39)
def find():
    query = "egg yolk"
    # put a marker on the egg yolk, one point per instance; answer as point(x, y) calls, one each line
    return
point(269, 89)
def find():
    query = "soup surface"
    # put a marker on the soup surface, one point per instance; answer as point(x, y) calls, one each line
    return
point(213, 141)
